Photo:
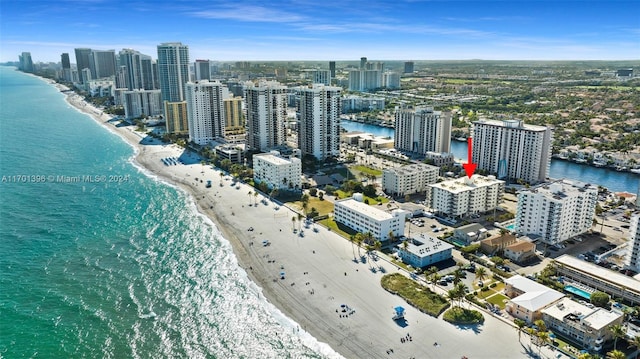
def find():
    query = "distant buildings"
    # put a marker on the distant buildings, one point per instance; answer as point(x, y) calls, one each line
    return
point(556, 211)
point(82, 62)
point(420, 130)
point(391, 80)
point(319, 76)
point(355, 103)
point(425, 251)
point(319, 115)
point(512, 150)
point(463, 196)
point(332, 69)
point(632, 258)
point(202, 69)
point(361, 217)
point(205, 111)
point(266, 105)
point(587, 326)
point(102, 63)
point(66, 74)
point(142, 102)
point(277, 171)
point(138, 70)
point(408, 67)
point(26, 63)
point(408, 179)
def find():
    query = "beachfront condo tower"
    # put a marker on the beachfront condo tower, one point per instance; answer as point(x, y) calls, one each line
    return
point(202, 69)
point(319, 114)
point(138, 73)
point(512, 150)
point(266, 115)
point(555, 212)
point(82, 62)
point(421, 129)
point(205, 111)
point(173, 70)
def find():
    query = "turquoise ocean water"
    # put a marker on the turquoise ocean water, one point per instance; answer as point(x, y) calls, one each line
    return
point(124, 269)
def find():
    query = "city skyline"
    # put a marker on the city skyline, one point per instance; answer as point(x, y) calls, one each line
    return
point(304, 30)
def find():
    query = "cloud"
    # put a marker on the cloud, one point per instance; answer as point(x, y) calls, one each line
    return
point(249, 13)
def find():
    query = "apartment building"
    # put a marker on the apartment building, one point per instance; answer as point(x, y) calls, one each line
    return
point(361, 217)
point(556, 211)
point(424, 251)
point(632, 257)
point(277, 171)
point(421, 129)
point(459, 197)
point(409, 179)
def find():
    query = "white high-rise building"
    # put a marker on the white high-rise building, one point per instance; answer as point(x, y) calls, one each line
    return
point(361, 217)
point(319, 76)
point(391, 80)
point(557, 211)
point(462, 196)
point(137, 72)
point(319, 114)
point(142, 102)
point(205, 111)
point(632, 258)
point(409, 179)
point(266, 106)
point(202, 69)
point(173, 70)
point(512, 150)
point(277, 171)
point(420, 130)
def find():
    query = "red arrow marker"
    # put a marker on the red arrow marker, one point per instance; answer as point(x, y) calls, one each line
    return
point(469, 167)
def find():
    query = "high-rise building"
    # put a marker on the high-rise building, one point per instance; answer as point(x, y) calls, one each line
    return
point(319, 76)
point(555, 212)
point(175, 114)
point(142, 103)
point(319, 115)
point(277, 171)
point(408, 67)
point(138, 73)
point(202, 69)
point(409, 179)
point(102, 63)
point(365, 80)
point(463, 196)
point(421, 129)
point(363, 63)
point(83, 61)
point(64, 59)
point(512, 150)
point(632, 257)
point(391, 80)
point(234, 122)
point(173, 70)
point(150, 79)
point(26, 64)
point(332, 69)
point(266, 106)
point(205, 111)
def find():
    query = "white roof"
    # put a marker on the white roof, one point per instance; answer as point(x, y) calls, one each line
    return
point(604, 274)
point(537, 300)
point(462, 184)
point(423, 247)
point(526, 285)
point(596, 318)
point(364, 209)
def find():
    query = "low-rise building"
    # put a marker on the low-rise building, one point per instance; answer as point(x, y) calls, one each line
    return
point(528, 298)
point(277, 171)
point(234, 153)
point(470, 233)
point(424, 251)
point(463, 196)
point(361, 217)
point(520, 252)
point(439, 158)
point(586, 326)
point(409, 179)
point(493, 244)
point(594, 276)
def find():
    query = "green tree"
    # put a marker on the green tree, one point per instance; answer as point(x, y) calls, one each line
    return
point(616, 354)
point(293, 222)
point(600, 299)
point(481, 273)
point(520, 325)
point(617, 331)
point(635, 343)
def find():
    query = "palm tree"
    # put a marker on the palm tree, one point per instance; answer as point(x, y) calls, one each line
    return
point(481, 273)
point(544, 339)
point(542, 327)
point(300, 217)
point(433, 275)
point(249, 194)
point(461, 288)
point(618, 332)
point(392, 237)
point(221, 176)
point(293, 222)
point(358, 239)
point(255, 198)
point(586, 356)
point(635, 342)
point(616, 354)
point(520, 325)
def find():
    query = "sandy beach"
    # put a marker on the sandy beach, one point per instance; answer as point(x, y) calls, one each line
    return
point(321, 278)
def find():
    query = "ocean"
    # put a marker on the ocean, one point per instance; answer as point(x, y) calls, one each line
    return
point(99, 259)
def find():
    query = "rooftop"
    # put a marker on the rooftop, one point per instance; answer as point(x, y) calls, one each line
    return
point(562, 188)
point(536, 300)
point(426, 246)
point(604, 274)
point(462, 184)
point(567, 309)
point(512, 124)
point(526, 285)
point(412, 168)
point(275, 159)
point(521, 246)
point(365, 209)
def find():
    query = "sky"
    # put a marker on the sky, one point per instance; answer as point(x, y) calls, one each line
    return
point(232, 30)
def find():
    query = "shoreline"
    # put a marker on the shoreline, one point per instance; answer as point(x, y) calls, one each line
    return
point(321, 273)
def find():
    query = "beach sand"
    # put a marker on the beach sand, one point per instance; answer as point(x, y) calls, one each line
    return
point(320, 272)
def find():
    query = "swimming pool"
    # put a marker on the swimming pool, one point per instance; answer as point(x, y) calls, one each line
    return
point(511, 227)
point(577, 291)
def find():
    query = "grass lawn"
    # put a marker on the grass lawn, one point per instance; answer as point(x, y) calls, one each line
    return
point(498, 300)
point(459, 315)
point(323, 207)
point(415, 294)
point(368, 170)
point(372, 201)
point(342, 230)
